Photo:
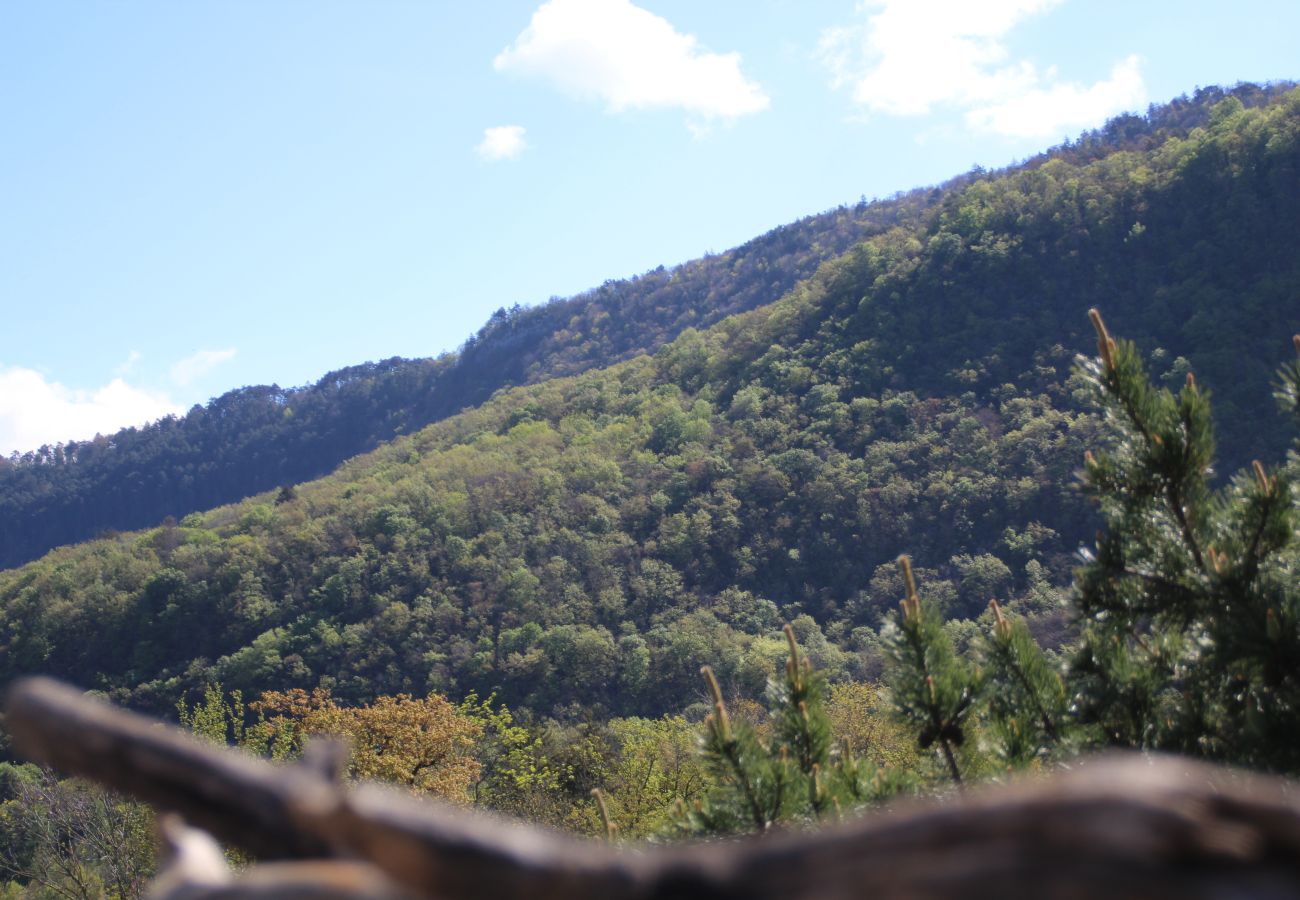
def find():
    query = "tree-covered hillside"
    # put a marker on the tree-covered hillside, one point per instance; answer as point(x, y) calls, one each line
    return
point(582, 546)
point(258, 438)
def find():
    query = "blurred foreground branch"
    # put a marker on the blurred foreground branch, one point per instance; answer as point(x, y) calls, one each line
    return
point(1126, 826)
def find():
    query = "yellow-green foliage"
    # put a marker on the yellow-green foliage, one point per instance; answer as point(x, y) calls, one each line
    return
point(656, 765)
point(863, 724)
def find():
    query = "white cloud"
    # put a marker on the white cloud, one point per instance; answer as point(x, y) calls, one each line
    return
point(502, 142)
point(1051, 111)
point(34, 411)
point(629, 58)
point(195, 366)
point(909, 56)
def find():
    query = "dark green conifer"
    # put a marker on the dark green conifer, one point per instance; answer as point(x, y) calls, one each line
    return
point(748, 781)
point(1027, 700)
point(1189, 606)
point(795, 776)
point(932, 687)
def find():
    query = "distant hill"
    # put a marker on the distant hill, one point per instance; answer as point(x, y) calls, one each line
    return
point(258, 438)
point(580, 546)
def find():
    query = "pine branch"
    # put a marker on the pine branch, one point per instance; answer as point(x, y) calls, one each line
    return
point(724, 743)
point(922, 637)
point(1112, 355)
point(1002, 629)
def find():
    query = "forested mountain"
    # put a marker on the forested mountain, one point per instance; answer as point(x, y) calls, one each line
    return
point(258, 438)
point(581, 546)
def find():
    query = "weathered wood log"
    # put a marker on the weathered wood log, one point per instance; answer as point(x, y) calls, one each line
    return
point(195, 868)
point(1128, 826)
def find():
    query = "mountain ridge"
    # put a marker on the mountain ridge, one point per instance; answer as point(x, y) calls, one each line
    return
point(257, 438)
point(582, 545)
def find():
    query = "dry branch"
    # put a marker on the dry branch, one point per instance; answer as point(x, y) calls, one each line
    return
point(1125, 826)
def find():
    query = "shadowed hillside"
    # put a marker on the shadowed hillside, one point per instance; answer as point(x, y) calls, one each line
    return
point(257, 438)
point(583, 545)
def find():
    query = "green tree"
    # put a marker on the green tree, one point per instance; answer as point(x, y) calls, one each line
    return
point(1028, 705)
point(791, 772)
point(655, 765)
point(215, 717)
point(516, 775)
point(68, 839)
point(933, 688)
point(1190, 603)
point(1188, 609)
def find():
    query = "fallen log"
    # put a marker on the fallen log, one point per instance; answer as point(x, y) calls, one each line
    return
point(1126, 826)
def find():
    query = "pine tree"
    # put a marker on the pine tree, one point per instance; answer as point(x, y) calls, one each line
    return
point(1188, 609)
point(1189, 633)
point(748, 781)
point(932, 687)
point(796, 776)
point(1028, 706)
point(1189, 605)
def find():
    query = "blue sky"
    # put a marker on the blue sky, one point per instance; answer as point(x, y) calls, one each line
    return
point(202, 195)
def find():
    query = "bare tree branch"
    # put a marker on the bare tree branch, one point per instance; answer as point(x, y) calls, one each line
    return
point(1127, 826)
